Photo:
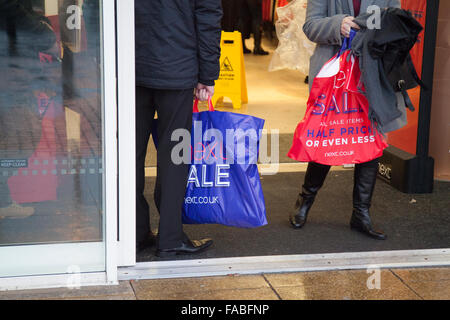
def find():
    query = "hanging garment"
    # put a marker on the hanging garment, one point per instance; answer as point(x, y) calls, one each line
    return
point(294, 49)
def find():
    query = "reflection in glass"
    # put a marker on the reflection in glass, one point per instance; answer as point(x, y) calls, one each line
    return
point(51, 143)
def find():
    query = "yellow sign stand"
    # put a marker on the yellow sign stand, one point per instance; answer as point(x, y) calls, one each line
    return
point(232, 82)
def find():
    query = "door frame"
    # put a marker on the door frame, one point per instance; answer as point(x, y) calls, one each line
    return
point(126, 246)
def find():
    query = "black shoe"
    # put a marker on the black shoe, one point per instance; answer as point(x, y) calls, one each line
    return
point(361, 223)
point(260, 52)
point(187, 247)
point(149, 242)
point(307, 79)
point(247, 50)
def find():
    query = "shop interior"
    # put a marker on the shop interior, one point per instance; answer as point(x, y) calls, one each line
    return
point(411, 221)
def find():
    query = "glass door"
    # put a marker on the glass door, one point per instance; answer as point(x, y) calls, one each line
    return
point(57, 136)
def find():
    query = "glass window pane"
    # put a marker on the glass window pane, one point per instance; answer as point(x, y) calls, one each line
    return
point(51, 126)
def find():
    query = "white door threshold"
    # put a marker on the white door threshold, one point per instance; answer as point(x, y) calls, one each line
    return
point(285, 264)
point(55, 281)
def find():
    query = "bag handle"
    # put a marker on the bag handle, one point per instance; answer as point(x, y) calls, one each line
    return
point(347, 43)
point(210, 105)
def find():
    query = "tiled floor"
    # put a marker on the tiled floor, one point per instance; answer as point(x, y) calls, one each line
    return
point(388, 284)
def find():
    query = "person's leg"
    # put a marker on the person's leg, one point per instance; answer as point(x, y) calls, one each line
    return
point(256, 13)
point(229, 15)
point(365, 179)
point(235, 5)
point(314, 180)
point(174, 112)
point(244, 46)
point(174, 109)
point(145, 111)
point(244, 24)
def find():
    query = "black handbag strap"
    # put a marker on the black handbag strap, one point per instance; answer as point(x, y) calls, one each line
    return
point(408, 101)
point(413, 71)
point(403, 90)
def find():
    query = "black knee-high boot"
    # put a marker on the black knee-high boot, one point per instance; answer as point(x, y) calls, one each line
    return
point(365, 179)
point(314, 179)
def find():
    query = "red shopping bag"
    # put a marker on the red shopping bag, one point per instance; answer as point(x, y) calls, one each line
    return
point(336, 129)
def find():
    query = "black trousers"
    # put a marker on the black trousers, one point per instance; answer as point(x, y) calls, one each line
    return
point(317, 173)
point(251, 20)
point(230, 17)
point(174, 108)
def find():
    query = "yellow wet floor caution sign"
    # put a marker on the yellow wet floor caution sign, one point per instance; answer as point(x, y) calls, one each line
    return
point(232, 82)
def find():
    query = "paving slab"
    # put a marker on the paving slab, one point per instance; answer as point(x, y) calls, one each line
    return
point(428, 283)
point(422, 274)
point(155, 289)
point(432, 290)
point(310, 278)
point(228, 294)
point(341, 285)
point(344, 293)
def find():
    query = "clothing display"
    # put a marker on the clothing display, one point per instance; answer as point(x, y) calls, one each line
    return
point(294, 49)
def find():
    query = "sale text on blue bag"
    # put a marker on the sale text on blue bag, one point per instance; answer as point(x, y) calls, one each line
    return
point(210, 146)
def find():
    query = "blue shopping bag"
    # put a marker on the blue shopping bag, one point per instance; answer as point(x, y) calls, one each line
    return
point(224, 186)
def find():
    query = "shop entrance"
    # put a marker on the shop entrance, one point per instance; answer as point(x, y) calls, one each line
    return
point(411, 222)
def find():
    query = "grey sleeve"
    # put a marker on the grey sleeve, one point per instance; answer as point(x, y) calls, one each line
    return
point(320, 28)
point(394, 4)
